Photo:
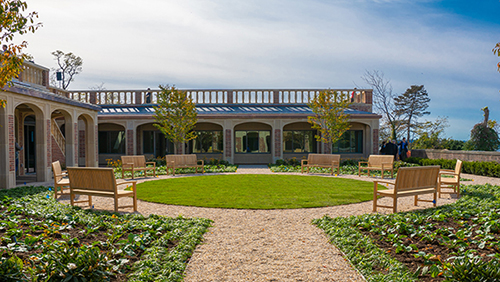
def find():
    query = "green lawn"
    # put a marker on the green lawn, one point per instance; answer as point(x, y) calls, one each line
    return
point(256, 191)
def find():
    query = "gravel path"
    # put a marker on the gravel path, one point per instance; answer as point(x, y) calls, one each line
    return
point(271, 245)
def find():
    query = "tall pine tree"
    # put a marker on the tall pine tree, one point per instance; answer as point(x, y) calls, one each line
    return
point(410, 106)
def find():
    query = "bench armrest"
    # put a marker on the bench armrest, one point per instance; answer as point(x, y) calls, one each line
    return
point(151, 163)
point(446, 171)
point(62, 174)
point(202, 162)
point(452, 173)
point(131, 165)
point(302, 162)
point(125, 183)
point(359, 164)
point(384, 182)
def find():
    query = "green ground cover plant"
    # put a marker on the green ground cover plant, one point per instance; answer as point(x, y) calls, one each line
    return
point(347, 167)
point(456, 242)
point(256, 191)
point(43, 240)
point(212, 166)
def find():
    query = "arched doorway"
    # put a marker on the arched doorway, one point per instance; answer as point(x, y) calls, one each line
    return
point(252, 143)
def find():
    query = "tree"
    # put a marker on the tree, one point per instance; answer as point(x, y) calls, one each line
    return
point(68, 65)
point(13, 21)
point(429, 134)
point(411, 105)
point(483, 136)
point(330, 118)
point(175, 115)
point(496, 51)
point(383, 101)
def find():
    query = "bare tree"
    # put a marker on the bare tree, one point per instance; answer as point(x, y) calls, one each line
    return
point(69, 65)
point(383, 100)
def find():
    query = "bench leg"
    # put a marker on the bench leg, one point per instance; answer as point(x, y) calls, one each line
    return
point(375, 197)
point(395, 204)
point(416, 200)
point(72, 198)
point(116, 204)
point(435, 198)
point(382, 174)
point(90, 201)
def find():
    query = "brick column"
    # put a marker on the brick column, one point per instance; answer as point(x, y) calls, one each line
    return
point(130, 142)
point(77, 141)
point(12, 149)
point(49, 142)
point(277, 143)
point(227, 143)
point(375, 142)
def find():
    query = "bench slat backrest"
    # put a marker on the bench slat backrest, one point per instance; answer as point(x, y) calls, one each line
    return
point(409, 178)
point(138, 161)
point(56, 169)
point(92, 178)
point(322, 159)
point(458, 169)
point(378, 160)
point(182, 159)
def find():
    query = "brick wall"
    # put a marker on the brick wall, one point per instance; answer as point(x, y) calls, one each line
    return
point(57, 154)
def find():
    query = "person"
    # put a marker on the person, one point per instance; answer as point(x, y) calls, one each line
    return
point(383, 148)
point(148, 96)
point(4, 49)
point(403, 145)
point(18, 148)
point(394, 149)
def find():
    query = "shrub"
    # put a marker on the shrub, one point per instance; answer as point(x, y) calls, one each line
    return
point(490, 169)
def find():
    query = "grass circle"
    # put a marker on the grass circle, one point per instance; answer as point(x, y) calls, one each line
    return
point(256, 191)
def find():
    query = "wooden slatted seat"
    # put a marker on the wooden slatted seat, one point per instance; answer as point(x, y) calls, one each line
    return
point(184, 161)
point(137, 163)
point(100, 182)
point(321, 160)
point(410, 181)
point(378, 162)
point(450, 183)
point(60, 182)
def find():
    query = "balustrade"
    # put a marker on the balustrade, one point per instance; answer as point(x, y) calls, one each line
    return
point(217, 96)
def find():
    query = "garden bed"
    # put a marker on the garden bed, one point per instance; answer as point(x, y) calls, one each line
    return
point(42, 240)
point(456, 242)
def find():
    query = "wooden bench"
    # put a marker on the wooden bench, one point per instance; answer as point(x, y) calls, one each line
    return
point(410, 181)
point(184, 161)
point(100, 182)
point(137, 163)
point(321, 160)
point(450, 183)
point(378, 162)
point(59, 181)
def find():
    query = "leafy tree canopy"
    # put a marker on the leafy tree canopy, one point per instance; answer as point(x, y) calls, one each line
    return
point(175, 115)
point(69, 65)
point(410, 106)
point(483, 136)
point(13, 21)
point(329, 117)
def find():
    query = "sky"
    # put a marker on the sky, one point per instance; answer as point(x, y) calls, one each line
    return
point(222, 44)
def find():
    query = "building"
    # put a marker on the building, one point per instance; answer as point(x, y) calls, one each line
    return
point(87, 128)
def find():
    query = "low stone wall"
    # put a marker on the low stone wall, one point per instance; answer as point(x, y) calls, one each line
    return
point(470, 156)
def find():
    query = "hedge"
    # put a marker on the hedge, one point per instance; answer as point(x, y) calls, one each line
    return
point(490, 169)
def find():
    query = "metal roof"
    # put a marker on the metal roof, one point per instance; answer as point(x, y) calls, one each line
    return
point(203, 109)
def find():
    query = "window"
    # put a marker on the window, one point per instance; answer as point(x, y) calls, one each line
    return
point(207, 142)
point(112, 142)
point(252, 141)
point(350, 142)
point(299, 141)
point(155, 143)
